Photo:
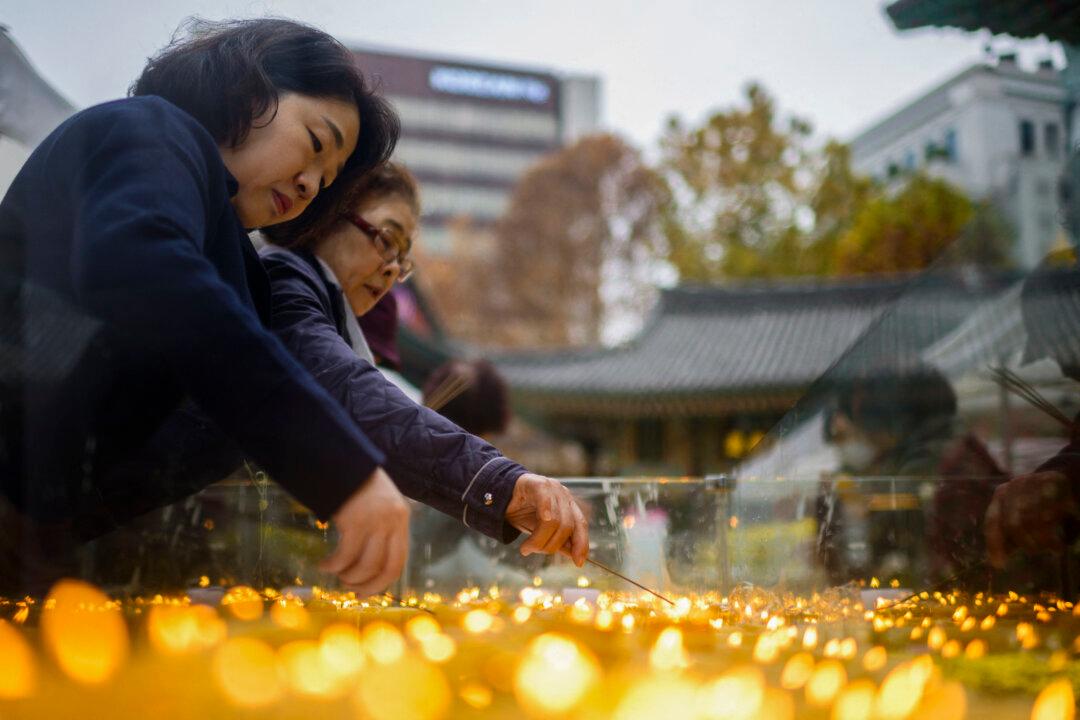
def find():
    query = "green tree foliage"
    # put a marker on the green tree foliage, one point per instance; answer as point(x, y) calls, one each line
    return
point(927, 221)
point(740, 185)
point(755, 197)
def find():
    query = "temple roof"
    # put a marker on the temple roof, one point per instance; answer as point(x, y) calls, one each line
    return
point(709, 350)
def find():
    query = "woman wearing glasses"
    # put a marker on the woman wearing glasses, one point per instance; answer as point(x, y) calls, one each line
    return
point(337, 263)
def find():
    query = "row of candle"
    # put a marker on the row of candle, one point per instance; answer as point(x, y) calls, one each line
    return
point(579, 652)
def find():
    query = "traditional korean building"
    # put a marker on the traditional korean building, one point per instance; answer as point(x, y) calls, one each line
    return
point(716, 367)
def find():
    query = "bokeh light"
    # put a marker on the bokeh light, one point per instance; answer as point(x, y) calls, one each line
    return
point(247, 671)
point(18, 666)
point(554, 674)
point(84, 631)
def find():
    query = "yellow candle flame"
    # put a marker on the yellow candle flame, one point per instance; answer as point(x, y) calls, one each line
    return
point(243, 602)
point(668, 652)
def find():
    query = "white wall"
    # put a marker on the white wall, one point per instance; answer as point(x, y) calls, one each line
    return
point(12, 157)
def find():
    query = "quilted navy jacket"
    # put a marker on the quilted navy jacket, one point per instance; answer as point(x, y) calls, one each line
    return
point(127, 287)
point(431, 459)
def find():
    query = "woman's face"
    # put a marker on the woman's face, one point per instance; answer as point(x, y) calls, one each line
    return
point(282, 164)
point(352, 255)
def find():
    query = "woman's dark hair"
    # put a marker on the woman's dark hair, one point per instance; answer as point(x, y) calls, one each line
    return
point(387, 180)
point(227, 74)
point(898, 403)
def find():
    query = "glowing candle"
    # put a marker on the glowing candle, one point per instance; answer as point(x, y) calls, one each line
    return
point(408, 687)
point(736, 695)
point(875, 658)
point(84, 631)
point(383, 642)
point(18, 667)
point(243, 602)
point(797, 671)
point(478, 621)
point(306, 671)
point(439, 648)
point(827, 681)
point(1055, 702)
point(655, 697)
point(476, 695)
point(247, 672)
point(855, 702)
point(945, 702)
point(342, 653)
point(422, 627)
point(554, 675)
point(176, 629)
point(668, 652)
point(289, 613)
point(902, 689)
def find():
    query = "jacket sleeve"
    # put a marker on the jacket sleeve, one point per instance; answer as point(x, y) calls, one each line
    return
point(143, 210)
point(431, 459)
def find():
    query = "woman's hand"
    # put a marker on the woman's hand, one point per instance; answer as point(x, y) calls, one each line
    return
point(373, 537)
point(545, 508)
point(1028, 513)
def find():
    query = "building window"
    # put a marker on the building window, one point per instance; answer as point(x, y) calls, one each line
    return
point(909, 160)
point(951, 150)
point(650, 440)
point(1027, 138)
point(1052, 138)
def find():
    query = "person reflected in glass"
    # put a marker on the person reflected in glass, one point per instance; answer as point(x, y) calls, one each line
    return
point(328, 269)
point(904, 424)
point(1038, 514)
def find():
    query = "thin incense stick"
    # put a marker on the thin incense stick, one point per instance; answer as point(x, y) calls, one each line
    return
point(617, 574)
point(1012, 382)
point(447, 391)
point(632, 582)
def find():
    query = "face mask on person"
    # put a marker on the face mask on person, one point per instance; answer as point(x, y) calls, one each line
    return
point(856, 454)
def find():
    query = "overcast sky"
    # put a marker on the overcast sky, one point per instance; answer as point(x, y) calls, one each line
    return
point(837, 62)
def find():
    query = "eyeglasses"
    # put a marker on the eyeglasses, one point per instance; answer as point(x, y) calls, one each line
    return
point(391, 244)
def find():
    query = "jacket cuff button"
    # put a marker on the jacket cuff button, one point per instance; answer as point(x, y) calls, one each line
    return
point(488, 499)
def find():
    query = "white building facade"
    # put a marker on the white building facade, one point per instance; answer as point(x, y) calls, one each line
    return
point(470, 130)
point(998, 132)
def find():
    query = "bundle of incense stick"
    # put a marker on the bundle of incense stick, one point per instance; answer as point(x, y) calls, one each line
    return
point(450, 388)
point(1015, 384)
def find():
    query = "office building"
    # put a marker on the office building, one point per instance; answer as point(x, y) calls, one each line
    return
point(469, 129)
point(996, 131)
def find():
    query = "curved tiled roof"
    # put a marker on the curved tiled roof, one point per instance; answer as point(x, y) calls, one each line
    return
point(749, 344)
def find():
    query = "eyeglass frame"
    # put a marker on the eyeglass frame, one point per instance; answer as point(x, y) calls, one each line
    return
point(378, 236)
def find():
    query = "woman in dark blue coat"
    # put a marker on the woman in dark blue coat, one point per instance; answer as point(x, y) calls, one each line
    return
point(133, 305)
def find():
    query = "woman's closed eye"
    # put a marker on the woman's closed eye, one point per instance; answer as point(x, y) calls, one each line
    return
point(315, 142)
